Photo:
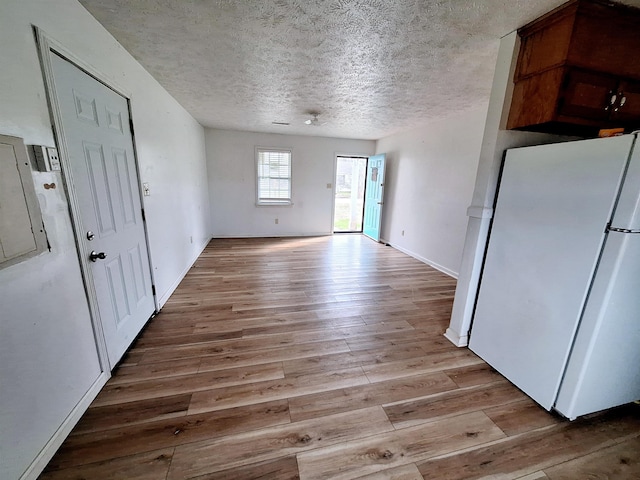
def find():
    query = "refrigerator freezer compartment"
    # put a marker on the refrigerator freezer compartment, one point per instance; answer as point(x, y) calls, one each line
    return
point(627, 213)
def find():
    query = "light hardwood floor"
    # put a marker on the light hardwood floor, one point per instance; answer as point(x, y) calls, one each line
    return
point(323, 358)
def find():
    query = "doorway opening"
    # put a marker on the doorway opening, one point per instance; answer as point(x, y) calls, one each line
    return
point(349, 194)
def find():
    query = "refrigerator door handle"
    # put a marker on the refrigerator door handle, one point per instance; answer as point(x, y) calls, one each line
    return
point(622, 230)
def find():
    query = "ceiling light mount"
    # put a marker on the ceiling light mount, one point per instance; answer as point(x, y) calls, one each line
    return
point(314, 120)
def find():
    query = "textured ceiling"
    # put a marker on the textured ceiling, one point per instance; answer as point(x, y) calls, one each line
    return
point(370, 68)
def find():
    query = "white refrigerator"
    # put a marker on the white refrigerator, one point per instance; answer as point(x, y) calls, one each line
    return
point(558, 308)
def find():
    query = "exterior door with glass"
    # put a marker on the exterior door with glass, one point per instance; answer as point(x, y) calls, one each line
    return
point(374, 197)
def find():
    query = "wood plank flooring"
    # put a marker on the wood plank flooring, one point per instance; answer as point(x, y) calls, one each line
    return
point(323, 358)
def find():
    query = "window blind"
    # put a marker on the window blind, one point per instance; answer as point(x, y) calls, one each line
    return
point(274, 176)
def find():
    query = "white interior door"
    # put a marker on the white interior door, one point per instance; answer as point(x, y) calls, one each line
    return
point(374, 194)
point(103, 174)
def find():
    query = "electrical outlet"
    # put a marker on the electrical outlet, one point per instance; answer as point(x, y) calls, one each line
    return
point(329, 185)
point(403, 233)
point(276, 221)
point(54, 159)
point(191, 239)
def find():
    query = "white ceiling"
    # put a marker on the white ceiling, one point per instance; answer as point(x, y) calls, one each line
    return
point(369, 67)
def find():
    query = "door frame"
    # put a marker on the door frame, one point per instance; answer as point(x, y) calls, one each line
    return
point(333, 184)
point(47, 47)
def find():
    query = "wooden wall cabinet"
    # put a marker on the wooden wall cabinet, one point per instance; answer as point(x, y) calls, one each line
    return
point(578, 70)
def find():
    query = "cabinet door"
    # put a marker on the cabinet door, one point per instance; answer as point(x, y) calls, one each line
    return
point(587, 95)
point(629, 111)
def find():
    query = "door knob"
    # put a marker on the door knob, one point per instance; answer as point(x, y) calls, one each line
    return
point(94, 256)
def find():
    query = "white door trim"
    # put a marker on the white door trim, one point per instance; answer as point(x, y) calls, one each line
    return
point(47, 47)
point(334, 186)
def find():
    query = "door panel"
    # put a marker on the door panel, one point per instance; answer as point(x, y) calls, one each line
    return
point(97, 176)
point(129, 205)
point(104, 176)
point(118, 289)
point(374, 196)
point(587, 95)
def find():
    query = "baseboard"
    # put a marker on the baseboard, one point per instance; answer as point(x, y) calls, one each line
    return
point(49, 450)
point(279, 235)
point(165, 296)
point(435, 265)
point(456, 339)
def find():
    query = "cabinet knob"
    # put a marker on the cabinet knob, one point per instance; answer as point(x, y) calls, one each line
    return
point(612, 100)
point(622, 100)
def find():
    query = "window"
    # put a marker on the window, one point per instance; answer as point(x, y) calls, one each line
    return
point(274, 176)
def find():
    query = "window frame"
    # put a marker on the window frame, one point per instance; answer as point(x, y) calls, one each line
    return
point(273, 202)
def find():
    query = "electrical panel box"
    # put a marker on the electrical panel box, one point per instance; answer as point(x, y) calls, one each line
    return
point(21, 229)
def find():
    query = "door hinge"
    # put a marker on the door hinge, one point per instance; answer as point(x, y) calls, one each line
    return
point(144, 219)
point(131, 125)
point(153, 289)
point(622, 230)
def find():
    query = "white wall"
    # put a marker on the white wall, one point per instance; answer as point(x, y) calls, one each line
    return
point(47, 356)
point(428, 187)
point(232, 183)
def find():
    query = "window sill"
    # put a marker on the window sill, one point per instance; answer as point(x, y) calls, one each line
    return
point(285, 203)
